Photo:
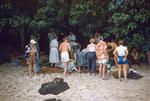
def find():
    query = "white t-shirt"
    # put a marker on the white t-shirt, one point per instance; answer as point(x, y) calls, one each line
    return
point(91, 47)
point(121, 50)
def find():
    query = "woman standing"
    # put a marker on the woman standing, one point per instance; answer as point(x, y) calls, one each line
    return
point(121, 53)
point(91, 56)
point(102, 56)
point(54, 56)
point(32, 57)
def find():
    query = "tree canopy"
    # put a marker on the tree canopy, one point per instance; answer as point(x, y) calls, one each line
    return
point(121, 19)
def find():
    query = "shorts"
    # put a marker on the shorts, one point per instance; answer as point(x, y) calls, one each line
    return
point(102, 61)
point(121, 61)
point(64, 56)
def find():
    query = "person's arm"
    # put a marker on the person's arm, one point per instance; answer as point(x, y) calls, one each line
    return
point(115, 54)
point(69, 47)
point(74, 38)
point(113, 46)
point(60, 47)
point(105, 51)
point(126, 51)
point(57, 44)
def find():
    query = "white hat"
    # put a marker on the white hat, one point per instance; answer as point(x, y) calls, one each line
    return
point(33, 41)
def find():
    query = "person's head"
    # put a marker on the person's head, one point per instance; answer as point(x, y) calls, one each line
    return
point(55, 37)
point(61, 33)
point(71, 32)
point(96, 35)
point(65, 39)
point(52, 29)
point(92, 40)
point(108, 43)
point(101, 37)
point(32, 42)
point(121, 42)
point(134, 49)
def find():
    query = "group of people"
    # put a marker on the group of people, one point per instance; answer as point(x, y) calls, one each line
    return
point(65, 48)
point(97, 54)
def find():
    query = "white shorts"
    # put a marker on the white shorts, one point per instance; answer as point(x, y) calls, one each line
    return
point(102, 61)
point(64, 56)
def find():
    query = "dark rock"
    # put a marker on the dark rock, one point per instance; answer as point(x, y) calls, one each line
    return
point(52, 100)
point(55, 87)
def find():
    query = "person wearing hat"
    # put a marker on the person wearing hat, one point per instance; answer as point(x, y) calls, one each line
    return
point(102, 57)
point(121, 53)
point(32, 57)
point(91, 56)
point(64, 49)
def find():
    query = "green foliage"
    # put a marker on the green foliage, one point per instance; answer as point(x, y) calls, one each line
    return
point(128, 20)
point(48, 14)
point(2, 23)
point(119, 18)
point(137, 40)
point(19, 21)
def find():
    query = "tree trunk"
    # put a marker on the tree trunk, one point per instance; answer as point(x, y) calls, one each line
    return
point(22, 40)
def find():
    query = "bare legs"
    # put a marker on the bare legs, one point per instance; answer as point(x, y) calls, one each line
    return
point(65, 68)
point(119, 71)
point(115, 60)
point(102, 71)
point(125, 70)
point(30, 69)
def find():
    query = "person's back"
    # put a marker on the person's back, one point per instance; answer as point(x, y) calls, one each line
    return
point(101, 50)
point(54, 56)
point(64, 47)
point(121, 53)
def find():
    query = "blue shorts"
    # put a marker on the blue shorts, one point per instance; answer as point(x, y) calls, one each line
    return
point(121, 61)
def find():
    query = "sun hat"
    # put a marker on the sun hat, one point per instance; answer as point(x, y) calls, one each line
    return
point(32, 41)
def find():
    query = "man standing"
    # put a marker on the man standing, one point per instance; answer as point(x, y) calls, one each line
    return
point(64, 50)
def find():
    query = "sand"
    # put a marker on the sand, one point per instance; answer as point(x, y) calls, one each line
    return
point(15, 85)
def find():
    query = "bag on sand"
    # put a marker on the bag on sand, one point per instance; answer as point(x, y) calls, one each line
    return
point(134, 75)
point(131, 75)
point(55, 87)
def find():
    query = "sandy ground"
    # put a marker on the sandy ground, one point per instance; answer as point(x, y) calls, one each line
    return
point(15, 85)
